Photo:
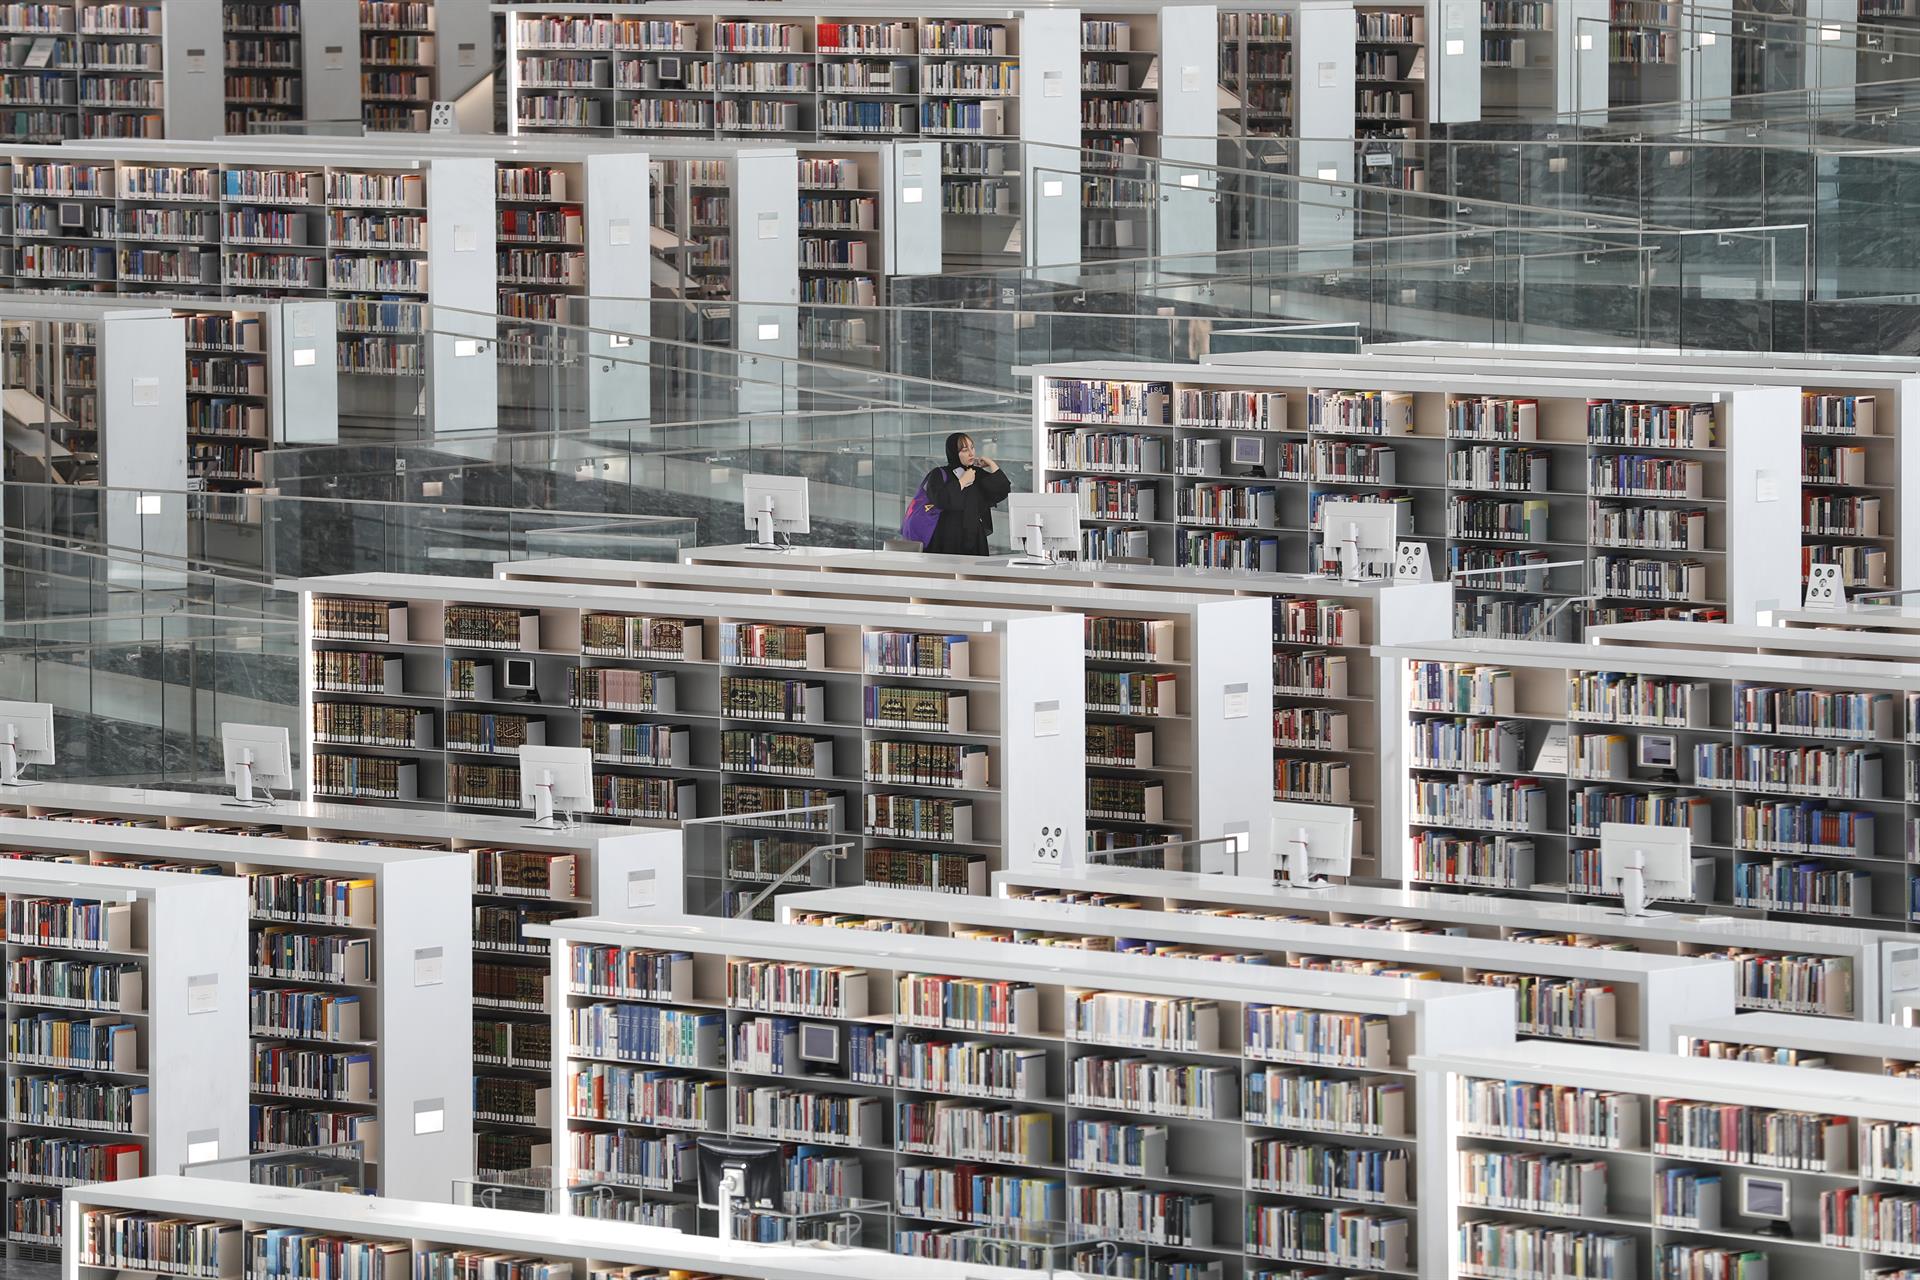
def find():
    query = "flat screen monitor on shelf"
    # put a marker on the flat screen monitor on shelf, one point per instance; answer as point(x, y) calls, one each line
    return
point(258, 758)
point(26, 737)
point(555, 778)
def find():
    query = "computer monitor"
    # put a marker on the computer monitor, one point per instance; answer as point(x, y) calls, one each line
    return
point(1362, 534)
point(1657, 751)
point(1249, 451)
point(775, 503)
point(555, 778)
point(820, 1042)
point(1644, 863)
point(256, 755)
point(517, 678)
point(732, 1169)
point(1770, 1199)
point(1313, 841)
point(26, 737)
point(1045, 523)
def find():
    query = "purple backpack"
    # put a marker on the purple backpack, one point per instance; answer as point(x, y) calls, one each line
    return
point(921, 519)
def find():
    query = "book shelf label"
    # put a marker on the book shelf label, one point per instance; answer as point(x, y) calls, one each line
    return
point(203, 993)
point(1046, 719)
point(1234, 704)
point(429, 966)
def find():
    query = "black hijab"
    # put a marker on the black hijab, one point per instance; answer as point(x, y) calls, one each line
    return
point(953, 447)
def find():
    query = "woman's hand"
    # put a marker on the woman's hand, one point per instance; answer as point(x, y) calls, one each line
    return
point(988, 463)
point(966, 477)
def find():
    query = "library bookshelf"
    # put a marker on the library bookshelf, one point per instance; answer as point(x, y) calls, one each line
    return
point(710, 705)
point(1060, 1128)
point(1170, 755)
point(246, 220)
point(1826, 971)
point(264, 61)
point(1626, 999)
point(331, 931)
point(865, 211)
point(401, 1235)
point(1793, 1040)
point(1643, 1163)
point(126, 1034)
point(1660, 52)
point(96, 69)
point(1543, 58)
point(1322, 630)
point(1857, 415)
point(518, 876)
point(1795, 815)
point(1492, 471)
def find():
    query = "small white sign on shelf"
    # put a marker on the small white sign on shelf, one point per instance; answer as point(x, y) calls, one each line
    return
point(1410, 562)
point(203, 993)
point(619, 231)
point(1824, 588)
point(429, 966)
point(1234, 704)
point(642, 889)
point(1046, 719)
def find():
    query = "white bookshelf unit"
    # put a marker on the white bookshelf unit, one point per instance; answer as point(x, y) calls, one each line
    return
point(107, 70)
point(1322, 634)
point(398, 1235)
point(1793, 1040)
point(1629, 1000)
point(249, 220)
point(1857, 414)
point(1542, 59)
point(1794, 814)
point(373, 946)
point(1646, 1161)
point(1186, 763)
point(1491, 470)
point(518, 876)
point(909, 1009)
point(696, 703)
point(126, 1028)
point(1830, 971)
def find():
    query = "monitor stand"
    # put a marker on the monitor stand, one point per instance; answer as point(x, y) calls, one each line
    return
point(243, 796)
point(10, 761)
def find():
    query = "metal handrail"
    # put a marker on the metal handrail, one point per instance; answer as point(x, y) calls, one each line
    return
point(838, 852)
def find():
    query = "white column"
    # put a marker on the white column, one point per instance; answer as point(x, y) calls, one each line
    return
point(330, 60)
point(619, 287)
point(1050, 135)
point(766, 275)
point(1189, 109)
point(142, 403)
point(463, 388)
point(193, 55)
